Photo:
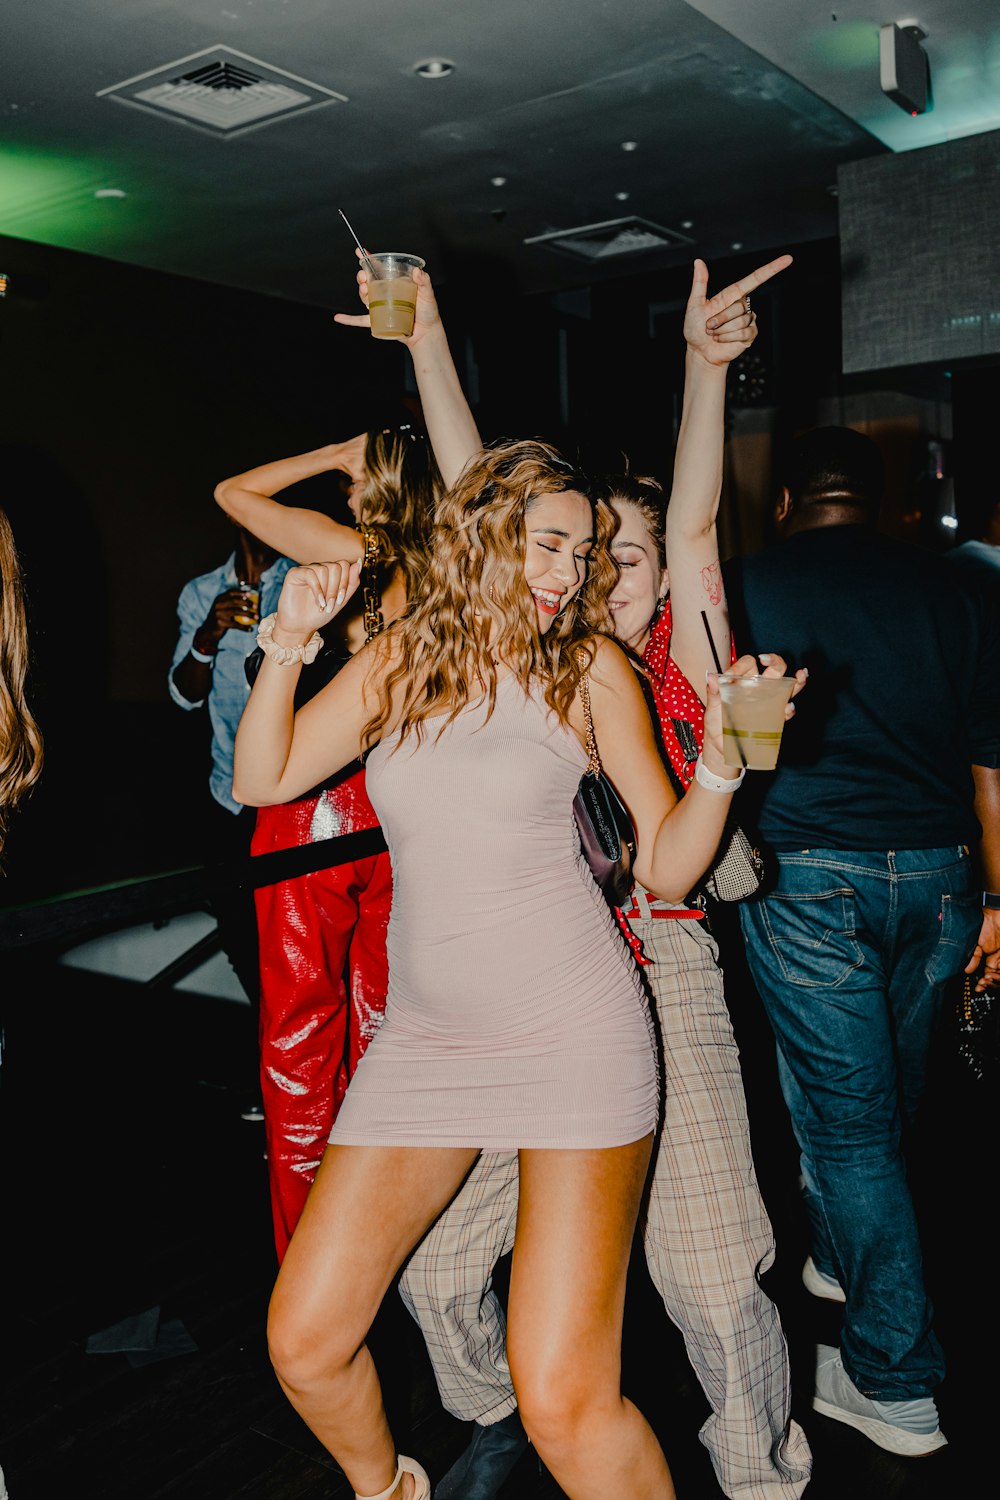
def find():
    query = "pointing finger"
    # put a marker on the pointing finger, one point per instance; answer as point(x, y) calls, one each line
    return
point(737, 290)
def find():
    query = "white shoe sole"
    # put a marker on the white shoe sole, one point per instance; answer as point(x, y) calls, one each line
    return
point(814, 1282)
point(893, 1439)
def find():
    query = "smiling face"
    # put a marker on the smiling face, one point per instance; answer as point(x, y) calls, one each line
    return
point(559, 533)
point(643, 580)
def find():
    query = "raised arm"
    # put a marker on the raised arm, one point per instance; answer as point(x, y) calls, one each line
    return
point(451, 426)
point(675, 841)
point(281, 754)
point(303, 535)
point(717, 331)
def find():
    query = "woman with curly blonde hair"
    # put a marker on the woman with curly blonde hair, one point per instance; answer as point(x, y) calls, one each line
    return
point(516, 1019)
point(20, 737)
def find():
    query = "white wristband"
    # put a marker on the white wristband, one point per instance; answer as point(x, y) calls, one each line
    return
point(203, 656)
point(712, 783)
point(286, 656)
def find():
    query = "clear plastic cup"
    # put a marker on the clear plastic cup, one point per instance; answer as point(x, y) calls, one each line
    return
point(392, 293)
point(249, 617)
point(753, 717)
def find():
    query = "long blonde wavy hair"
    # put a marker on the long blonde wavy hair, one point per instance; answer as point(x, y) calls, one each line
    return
point(402, 487)
point(475, 605)
point(20, 737)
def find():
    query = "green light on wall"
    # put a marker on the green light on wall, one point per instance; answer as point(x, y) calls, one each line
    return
point(846, 46)
point(51, 197)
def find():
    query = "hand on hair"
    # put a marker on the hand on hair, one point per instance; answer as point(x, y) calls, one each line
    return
point(426, 317)
point(723, 327)
point(348, 457)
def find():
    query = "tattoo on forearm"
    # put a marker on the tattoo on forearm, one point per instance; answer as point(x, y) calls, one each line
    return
point(711, 582)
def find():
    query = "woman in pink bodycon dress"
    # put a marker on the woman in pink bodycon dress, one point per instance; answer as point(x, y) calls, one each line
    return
point(509, 1022)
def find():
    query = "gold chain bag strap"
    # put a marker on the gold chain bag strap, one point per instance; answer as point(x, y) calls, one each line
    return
point(977, 1021)
point(374, 623)
point(607, 837)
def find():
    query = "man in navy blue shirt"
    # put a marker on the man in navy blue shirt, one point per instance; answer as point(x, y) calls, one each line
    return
point(884, 820)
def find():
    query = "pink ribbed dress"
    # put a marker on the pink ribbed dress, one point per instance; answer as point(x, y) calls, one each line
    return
point(516, 1016)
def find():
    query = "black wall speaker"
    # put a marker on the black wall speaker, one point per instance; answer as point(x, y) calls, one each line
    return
point(904, 71)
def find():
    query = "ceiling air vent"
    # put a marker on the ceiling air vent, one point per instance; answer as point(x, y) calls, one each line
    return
point(612, 238)
point(221, 91)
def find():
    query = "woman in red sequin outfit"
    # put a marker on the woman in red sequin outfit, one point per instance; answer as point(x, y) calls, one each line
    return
point(323, 972)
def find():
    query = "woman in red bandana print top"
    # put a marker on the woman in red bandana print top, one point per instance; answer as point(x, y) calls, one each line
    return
point(702, 1156)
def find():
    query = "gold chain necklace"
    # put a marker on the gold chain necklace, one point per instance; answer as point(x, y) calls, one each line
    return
point(374, 623)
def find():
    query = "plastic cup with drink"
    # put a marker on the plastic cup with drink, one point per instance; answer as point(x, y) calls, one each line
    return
point(753, 717)
point(392, 292)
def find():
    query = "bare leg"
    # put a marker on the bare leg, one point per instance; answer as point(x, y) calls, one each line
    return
point(567, 1295)
point(367, 1209)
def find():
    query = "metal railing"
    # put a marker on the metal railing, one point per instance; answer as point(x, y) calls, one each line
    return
point(79, 915)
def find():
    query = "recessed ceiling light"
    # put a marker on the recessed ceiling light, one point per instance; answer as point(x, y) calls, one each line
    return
point(110, 193)
point(434, 67)
point(687, 223)
point(499, 181)
point(630, 145)
point(621, 197)
point(736, 245)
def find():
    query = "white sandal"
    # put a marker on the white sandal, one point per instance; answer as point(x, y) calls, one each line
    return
point(422, 1489)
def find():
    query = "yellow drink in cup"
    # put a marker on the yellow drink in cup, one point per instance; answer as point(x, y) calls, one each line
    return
point(251, 594)
point(753, 717)
point(392, 293)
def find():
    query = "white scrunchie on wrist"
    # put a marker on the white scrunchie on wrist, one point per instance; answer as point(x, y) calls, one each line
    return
point(286, 656)
point(712, 783)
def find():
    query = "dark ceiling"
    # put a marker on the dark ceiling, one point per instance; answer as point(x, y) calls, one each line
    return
point(722, 122)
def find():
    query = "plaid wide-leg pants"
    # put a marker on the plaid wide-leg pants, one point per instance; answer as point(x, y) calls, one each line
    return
point(706, 1235)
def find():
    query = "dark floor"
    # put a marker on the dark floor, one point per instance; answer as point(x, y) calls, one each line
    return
point(131, 1182)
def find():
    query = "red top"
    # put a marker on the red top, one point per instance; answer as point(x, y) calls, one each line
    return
point(674, 697)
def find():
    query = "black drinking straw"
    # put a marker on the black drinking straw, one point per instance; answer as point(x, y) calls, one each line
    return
point(711, 643)
point(719, 669)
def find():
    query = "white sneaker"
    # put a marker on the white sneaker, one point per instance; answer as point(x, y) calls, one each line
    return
point(906, 1427)
point(820, 1284)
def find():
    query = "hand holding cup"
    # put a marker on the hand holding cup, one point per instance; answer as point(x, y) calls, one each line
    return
point(426, 317)
point(747, 709)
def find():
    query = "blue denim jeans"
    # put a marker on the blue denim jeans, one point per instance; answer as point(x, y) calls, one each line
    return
point(851, 953)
